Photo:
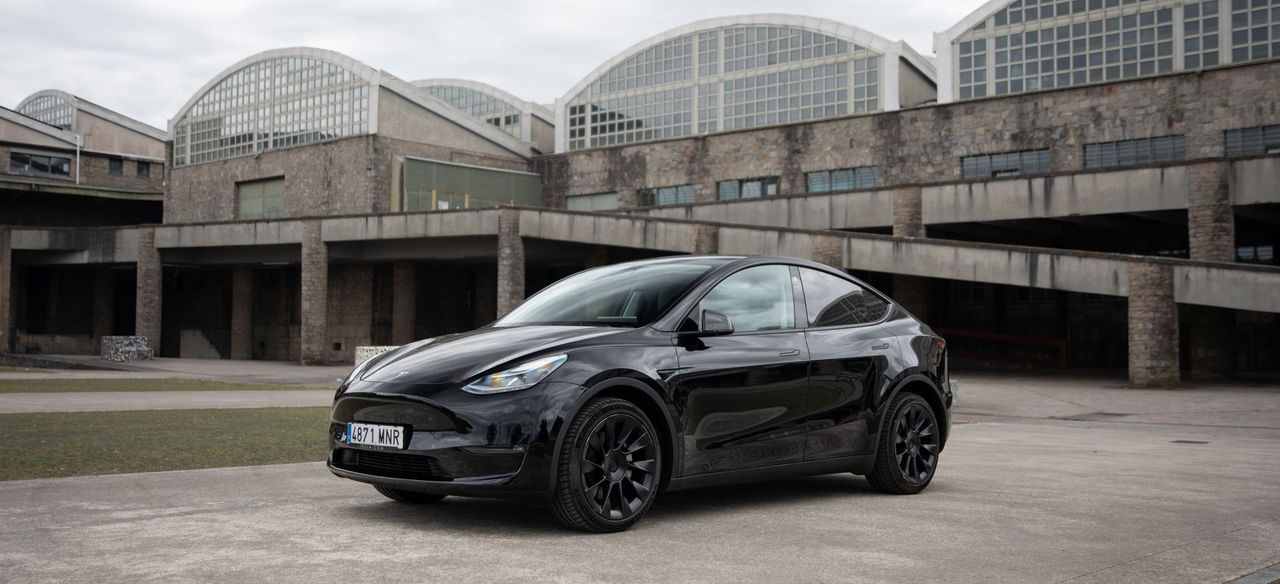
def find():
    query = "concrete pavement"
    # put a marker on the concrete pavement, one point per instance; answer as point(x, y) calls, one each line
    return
point(1182, 489)
point(101, 401)
point(1052, 501)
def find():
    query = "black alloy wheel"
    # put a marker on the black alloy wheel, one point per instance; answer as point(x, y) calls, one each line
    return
point(908, 450)
point(610, 466)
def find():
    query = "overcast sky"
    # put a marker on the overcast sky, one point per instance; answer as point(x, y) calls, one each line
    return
point(146, 58)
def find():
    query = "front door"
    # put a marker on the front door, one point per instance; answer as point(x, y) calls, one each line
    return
point(742, 396)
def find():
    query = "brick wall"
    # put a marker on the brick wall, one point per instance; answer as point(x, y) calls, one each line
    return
point(924, 145)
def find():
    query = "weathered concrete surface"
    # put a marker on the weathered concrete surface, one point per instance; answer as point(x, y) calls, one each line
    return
point(104, 401)
point(1019, 498)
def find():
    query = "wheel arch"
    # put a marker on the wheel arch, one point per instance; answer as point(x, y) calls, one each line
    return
point(924, 387)
point(644, 397)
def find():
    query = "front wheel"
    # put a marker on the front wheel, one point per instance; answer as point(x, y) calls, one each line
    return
point(907, 451)
point(610, 467)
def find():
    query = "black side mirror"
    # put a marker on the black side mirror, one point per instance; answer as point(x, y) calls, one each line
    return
point(715, 324)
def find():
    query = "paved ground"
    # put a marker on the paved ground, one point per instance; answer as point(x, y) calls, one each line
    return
point(1181, 489)
point(101, 401)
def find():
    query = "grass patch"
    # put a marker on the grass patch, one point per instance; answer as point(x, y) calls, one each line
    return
point(92, 443)
point(147, 384)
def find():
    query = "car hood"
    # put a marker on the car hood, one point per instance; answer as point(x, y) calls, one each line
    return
point(465, 356)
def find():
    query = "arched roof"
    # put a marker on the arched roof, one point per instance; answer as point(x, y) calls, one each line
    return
point(492, 90)
point(376, 79)
point(973, 19)
point(365, 72)
point(825, 26)
point(78, 104)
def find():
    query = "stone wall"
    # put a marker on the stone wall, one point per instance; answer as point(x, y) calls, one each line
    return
point(320, 179)
point(924, 145)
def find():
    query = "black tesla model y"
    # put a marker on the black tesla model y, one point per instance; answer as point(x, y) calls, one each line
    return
point(621, 382)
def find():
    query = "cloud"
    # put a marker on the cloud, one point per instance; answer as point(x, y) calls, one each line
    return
point(145, 58)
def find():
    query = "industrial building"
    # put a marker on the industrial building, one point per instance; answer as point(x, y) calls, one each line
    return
point(1113, 214)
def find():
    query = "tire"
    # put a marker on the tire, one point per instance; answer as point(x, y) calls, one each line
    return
point(610, 467)
point(410, 497)
point(907, 450)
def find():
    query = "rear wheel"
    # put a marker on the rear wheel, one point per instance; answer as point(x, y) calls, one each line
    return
point(403, 496)
point(907, 451)
point(610, 467)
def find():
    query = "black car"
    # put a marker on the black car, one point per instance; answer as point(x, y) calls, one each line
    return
point(619, 382)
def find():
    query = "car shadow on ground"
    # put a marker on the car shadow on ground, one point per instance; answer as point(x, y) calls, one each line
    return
point(513, 517)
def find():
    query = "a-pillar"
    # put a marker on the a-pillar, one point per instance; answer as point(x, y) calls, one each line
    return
point(828, 249)
point(706, 239)
point(150, 280)
point(315, 294)
point(242, 313)
point(1211, 232)
point(510, 261)
point(1153, 326)
point(103, 304)
point(910, 292)
point(404, 296)
point(6, 289)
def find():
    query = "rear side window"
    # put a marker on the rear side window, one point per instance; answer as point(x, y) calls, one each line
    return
point(833, 301)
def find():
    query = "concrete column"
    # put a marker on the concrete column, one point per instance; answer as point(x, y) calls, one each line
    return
point(1211, 223)
point(1153, 326)
point(908, 217)
point(6, 289)
point(910, 292)
point(1211, 233)
point(315, 294)
point(103, 304)
point(404, 296)
point(150, 277)
point(242, 313)
point(706, 239)
point(828, 249)
point(510, 261)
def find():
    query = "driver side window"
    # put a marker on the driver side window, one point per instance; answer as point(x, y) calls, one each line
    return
point(755, 299)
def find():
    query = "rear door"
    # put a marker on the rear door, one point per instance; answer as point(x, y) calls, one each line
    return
point(850, 353)
point(742, 396)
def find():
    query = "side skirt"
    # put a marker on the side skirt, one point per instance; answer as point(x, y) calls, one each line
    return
point(860, 464)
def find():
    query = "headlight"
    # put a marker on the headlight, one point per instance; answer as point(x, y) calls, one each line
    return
point(520, 377)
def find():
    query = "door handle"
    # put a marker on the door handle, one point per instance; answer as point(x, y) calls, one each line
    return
point(880, 347)
point(791, 353)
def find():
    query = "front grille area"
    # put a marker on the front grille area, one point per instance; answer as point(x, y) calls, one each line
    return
point(390, 464)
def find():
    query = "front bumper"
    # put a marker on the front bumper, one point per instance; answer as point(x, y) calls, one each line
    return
point(499, 445)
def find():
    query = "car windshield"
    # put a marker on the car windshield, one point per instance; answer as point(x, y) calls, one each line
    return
point(624, 295)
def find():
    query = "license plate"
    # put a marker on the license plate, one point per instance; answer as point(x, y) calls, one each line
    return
point(377, 435)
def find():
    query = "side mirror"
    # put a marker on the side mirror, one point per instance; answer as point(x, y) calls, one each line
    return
point(715, 324)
